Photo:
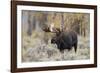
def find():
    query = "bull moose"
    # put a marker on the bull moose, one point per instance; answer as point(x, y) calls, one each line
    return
point(64, 39)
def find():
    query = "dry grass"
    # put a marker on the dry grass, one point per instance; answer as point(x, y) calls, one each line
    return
point(35, 48)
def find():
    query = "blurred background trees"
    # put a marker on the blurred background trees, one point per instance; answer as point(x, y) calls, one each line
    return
point(37, 20)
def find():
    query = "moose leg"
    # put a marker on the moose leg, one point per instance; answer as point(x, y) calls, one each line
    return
point(61, 50)
point(75, 47)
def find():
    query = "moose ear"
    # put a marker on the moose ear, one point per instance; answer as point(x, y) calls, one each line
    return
point(58, 30)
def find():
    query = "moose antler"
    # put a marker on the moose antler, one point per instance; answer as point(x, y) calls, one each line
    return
point(51, 28)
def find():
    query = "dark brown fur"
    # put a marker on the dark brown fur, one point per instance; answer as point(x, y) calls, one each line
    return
point(65, 40)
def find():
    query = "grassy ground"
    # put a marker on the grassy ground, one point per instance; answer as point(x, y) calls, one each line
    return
point(38, 48)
